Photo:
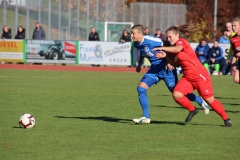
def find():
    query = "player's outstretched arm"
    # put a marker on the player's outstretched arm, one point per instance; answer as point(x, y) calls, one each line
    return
point(172, 49)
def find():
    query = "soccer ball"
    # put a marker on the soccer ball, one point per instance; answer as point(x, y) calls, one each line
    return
point(27, 121)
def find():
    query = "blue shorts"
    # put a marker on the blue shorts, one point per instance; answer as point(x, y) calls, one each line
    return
point(153, 76)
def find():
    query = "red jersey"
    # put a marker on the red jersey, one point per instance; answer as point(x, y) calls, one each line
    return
point(235, 42)
point(188, 60)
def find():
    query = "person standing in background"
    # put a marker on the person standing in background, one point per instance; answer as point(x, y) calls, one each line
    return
point(126, 37)
point(159, 34)
point(6, 33)
point(38, 32)
point(93, 35)
point(224, 38)
point(20, 33)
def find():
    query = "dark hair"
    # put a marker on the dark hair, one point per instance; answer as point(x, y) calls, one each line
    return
point(124, 31)
point(184, 31)
point(138, 27)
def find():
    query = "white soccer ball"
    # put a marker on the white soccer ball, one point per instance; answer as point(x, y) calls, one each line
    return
point(27, 121)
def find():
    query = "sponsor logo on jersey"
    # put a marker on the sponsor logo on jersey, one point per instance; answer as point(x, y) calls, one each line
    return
point(148, 52)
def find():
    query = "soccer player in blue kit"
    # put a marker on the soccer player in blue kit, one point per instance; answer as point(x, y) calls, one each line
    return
point(159, 70)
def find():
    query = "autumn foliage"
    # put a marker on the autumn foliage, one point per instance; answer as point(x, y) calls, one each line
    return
point(201, 12)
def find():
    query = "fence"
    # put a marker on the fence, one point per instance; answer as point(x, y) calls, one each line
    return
point(72, 19)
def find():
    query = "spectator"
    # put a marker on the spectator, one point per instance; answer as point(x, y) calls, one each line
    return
point(20, 33)
point(146, 31)
point(224, 38)
point(202, 50)
point(38, 32)
point(159, 34)
point(215, 56)
point(230, 35)
point(6, 34)
point(93, 36)
point(126, 37)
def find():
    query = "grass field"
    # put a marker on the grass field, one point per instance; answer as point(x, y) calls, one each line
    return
point(87, 116)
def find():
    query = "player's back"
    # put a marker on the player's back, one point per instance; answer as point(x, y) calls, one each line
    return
point(146, 50)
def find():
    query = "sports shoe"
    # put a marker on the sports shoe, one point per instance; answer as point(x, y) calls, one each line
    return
point(205, 107)
point(228, 122)
point(191, 114)
point(142, 120)
point(215, 73)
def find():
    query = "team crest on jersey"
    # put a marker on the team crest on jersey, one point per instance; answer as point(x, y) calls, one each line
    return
point(179, 42)
point(148, 52)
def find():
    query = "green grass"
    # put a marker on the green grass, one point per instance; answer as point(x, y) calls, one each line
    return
point(87, 116)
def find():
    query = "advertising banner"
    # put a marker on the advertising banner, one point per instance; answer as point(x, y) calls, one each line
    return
point(11, 50)
point(50, 51)
point(105, 53)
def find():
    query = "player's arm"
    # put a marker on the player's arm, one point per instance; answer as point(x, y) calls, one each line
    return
point(140, 62)
point(172, 49)
point(169, 59)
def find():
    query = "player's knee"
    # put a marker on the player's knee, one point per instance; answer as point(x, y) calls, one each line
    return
point(236, 78)
point(141, 90)
point(177, 95)
point(209, 100)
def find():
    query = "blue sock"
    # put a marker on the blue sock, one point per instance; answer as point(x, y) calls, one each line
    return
point(193, 97)
point(143, 99)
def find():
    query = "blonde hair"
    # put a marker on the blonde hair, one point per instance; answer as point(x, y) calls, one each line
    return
point(236, 19)
point(139, 28)
point(184, 31)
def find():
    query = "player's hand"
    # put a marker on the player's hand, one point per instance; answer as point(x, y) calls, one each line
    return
point(169, 66)
point(158, 49)
point(138, 68)
point(234, 68)
point(160, 54)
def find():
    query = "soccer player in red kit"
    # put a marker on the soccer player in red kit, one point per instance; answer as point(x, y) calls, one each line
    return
point(235, 42)
point(195, 75)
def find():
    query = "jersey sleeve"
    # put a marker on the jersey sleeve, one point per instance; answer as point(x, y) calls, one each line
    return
point(156, 42)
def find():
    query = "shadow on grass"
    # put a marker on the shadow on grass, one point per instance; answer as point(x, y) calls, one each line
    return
point(162, 106)
point(17, 127)
point(120, 120)
point(228, 111)
point(225, 98)
point(232, 104)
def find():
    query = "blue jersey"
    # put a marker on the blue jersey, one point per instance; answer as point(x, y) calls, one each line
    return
point(146, 50)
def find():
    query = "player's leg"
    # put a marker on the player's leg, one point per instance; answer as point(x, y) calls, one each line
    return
point(170, 78)
point(146, 82)
point(236, 76)
point(204, 88)
point(183, 88)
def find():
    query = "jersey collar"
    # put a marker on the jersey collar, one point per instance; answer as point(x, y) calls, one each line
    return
point(142, 40)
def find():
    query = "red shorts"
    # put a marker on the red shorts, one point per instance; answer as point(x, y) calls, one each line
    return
point(202, 83)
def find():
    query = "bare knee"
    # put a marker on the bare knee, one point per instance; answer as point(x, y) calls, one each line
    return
point(209, 100)
point(177, 95)
point(236, 77)
point(143, 85)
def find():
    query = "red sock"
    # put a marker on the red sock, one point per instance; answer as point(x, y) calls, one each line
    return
point(218, 107)
point(184, 102)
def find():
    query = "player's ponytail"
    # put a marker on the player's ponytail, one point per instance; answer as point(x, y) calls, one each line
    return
point(184, 31)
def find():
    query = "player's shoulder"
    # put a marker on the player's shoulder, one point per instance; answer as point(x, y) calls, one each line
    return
point(151, 38)
point(181, 41)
